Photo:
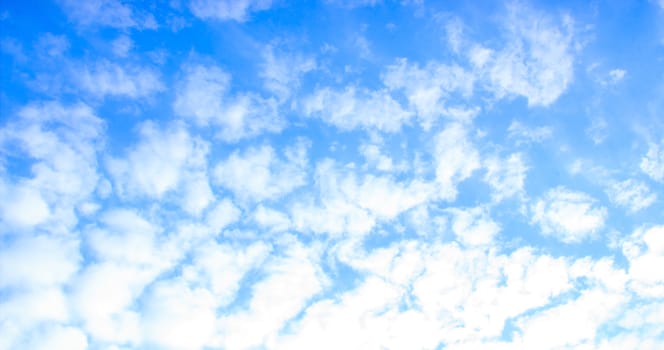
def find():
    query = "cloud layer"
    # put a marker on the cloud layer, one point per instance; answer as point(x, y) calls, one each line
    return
point(256, 174)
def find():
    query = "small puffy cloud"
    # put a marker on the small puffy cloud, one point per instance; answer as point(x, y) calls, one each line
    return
point(537, 61)
point(40, 261)
point(113, 321)
point(357, 108)
point(505, 176)
point(203, 96)
point(167, 306)
point(273, 301)
point(162, 160)
point(125, 237)
point(644, 249)
point(222, 214)
point(616, 75)
point(122, 46)
point(225, 10)
point(259, 174)
point(652, 164)
point(351, 204)
point(60, 144)
point(110, 79)
point(569, 216)
point(428, 88)
point(631, 194)
point(474, 226)
point(52, 45)
point(598, 130)
point(281, 72)
point(221, 267)
point(456, 159)
point(107, 13)
point(524, 134)
point(271, 219)
point(377, 158)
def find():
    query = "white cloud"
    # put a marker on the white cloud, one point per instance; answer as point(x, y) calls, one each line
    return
point(52, 45)
point(378, 159)
point(224, 10)
point(537, 61)
point(428, 89)
point(110, 13)
point(644, 249)
point(220, 268)
point(423, 296)
point(125, 237)
point(58, 337)
point(203, 95)
point(110, 79)
point(122, 46)
point(616, 75)
point(506, 176)
point(258, 173)
point(274, 301)
point(23, 206)
point(164, 160)
point(569, 216)
point(631, 194)
point(271, 219)
point(474, 226)
point(353, 108)
point(281, 72)
point(60, 144)
point(357, 319)
point(39, 261)
point(352, 205)
point(652, 164)
point(222, 214)
point(175, 316)
point(456, 159)
point(524, 134)
point(597, 131)
point(118, 285)
point(576, 322)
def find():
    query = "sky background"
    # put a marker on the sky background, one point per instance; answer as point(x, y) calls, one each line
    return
point(275, 174)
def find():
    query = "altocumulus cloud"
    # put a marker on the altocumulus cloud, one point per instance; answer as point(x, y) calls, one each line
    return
point(257, 174)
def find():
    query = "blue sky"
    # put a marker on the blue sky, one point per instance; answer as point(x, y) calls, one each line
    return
point(272, 174)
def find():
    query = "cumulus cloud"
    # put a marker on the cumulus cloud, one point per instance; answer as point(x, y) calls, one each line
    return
point(652, 163)
point(203, 96)
point(258, 174)
point(456, 159)
point(427, 88)
point(505, 176)
point(537, 60)
point(282, 71)
point(568, 215)
point(631, 194)
point(274, 301)
point(110, 79)
point(164, 160)
point(225, 10)
point(474, 226)
point(108, 13)
point(61, 143)
point(644, 249)
point(39, 261)
point(349, 204)
point(523, 134)
point(353, 107)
